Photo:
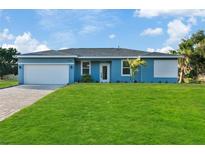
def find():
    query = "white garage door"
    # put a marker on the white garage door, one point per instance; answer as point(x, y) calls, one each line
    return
point(46, 74)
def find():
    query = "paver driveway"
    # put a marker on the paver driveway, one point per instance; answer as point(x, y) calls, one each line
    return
point(15, 98)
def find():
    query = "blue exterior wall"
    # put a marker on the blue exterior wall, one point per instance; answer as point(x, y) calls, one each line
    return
point(45, 60)
point(77, 75)
point(147, 73)
point(21, 73)
point(21, 61)
point(116, 72)
point(95, 69)
point(144, 74)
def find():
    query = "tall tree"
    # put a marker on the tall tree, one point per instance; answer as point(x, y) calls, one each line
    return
point(198, 36)
point(184, 64)
point(8, 61)
point(193, 51)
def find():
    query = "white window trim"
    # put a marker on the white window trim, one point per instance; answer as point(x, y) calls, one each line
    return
point(81, 67)
point(122, 69)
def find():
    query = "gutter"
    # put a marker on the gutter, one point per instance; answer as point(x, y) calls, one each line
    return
point(100, 57)
point(32, 56)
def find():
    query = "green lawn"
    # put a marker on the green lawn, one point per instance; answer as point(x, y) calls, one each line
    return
point(7, 83)
point(112, 114)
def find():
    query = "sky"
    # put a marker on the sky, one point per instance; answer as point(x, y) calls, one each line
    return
point(148, 30)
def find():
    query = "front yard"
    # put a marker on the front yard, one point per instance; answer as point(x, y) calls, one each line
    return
point(112, 114)
point(7, 83)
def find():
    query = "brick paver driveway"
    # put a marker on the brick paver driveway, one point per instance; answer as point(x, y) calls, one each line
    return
point(15, 98)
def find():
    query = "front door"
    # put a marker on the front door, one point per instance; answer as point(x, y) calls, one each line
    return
point(105, 72)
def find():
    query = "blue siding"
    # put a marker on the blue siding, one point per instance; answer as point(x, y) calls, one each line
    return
point(144, 74)
point(21, 73)
point(71, 73)
point(116, 72)
point(147, 73)
point(45, 60)
point(95, 69)
point(77, 71)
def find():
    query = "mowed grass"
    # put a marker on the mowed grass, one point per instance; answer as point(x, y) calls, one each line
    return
point(112, 114)
point(7, 83)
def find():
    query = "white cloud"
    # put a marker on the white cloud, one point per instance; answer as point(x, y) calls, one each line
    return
point(88, 29)
point(150, 50)
point(8, 46)
point(60, 39)
point(87, 21)
point(5, 35)
point(63, 48)
point(165, 49)
point(152, 31)
point(192, 20)
point(173, 12)
point(112, 36)
point(26, 43)
point(177, 30)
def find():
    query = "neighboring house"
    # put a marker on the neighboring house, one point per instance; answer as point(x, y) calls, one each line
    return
point(103, 64)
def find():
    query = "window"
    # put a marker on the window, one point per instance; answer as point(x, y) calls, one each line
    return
point(85, 67)
point(165, 68)
point(125, 69)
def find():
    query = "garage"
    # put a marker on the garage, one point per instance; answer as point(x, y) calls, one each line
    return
point(46, 74)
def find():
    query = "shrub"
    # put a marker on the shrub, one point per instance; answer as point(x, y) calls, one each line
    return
point(10, 77)
point(86, 78)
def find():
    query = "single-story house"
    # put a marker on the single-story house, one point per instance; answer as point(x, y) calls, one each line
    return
point(103, 64)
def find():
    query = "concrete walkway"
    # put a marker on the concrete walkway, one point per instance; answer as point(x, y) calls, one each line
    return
point(15, 98)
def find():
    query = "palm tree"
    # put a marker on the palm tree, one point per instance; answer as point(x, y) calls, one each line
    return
point(184, 63)
point(134, 64)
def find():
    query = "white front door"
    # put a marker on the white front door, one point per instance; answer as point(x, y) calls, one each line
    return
point(105, 72)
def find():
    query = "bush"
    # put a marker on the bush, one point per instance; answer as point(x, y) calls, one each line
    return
point(188, 80)
point(10, 77)
point(86, 78)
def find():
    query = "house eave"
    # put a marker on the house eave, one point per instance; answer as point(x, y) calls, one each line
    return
point(39, 56)
point(96, 57)
point(161, 56)
point(126, 57)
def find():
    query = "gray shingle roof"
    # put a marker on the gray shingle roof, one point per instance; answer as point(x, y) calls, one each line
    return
point(97, 52)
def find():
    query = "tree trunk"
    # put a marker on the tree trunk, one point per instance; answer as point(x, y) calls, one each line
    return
point(181, 76)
